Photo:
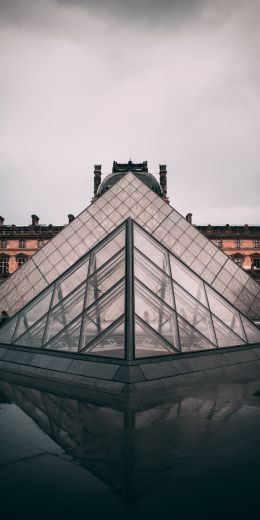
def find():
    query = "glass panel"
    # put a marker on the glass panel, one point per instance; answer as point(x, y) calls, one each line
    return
point(65, 312)
point(109, 249)
point(105, 278)
point(188, 280)
point(7, 331)
point(156, 314)
point(102, 314)
point(34, 312)
point(153, 278)
point(252, 332)
point(70, 281)
point(111, 345)
point(193, 312)
point(225, 312)
point(147, 343)
point(191, 339)
point(33, 337)
point(68, 339)
point(151, 249)
point(225, 336)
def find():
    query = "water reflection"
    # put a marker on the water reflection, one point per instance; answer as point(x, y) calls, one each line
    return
point(147, 456)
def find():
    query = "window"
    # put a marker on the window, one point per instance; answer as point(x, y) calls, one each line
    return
point(238, 260)
point(40, 243)
point(4, 267)
point(256, 263)
point(237, 243)
point(3, 243)
point(256, 243)
point(22, 244)
point(219, 243)
point(21, 260)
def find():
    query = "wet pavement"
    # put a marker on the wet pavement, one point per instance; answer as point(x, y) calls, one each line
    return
point(195, 454)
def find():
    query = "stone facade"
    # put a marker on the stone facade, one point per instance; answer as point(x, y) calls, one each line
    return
point(241, 243)
point(18, 243)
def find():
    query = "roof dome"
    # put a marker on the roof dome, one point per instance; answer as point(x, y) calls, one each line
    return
point(147, 178)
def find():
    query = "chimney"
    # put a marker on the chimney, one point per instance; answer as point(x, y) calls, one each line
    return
point(189, 217)
point(97, 178)
point(35, 220)
point(163, 181)
point(2, 221)
point(70, 217)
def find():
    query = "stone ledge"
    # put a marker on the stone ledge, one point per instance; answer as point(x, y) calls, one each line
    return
point(116, 378)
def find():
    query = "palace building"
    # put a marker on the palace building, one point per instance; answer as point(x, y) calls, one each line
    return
point(18, 243)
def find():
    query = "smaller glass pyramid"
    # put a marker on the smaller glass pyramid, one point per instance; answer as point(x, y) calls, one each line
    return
point(127, 298)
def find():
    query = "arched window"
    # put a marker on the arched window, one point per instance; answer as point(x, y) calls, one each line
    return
point(21, 259)
point(4, 264)
point(255, 261)
point(238, 259)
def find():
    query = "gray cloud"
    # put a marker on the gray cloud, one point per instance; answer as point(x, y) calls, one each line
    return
point(138, 10)
point(142, 10)
point(85, 82)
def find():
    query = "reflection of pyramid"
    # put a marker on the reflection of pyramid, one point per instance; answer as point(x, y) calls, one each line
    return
point(131, 198)
point(128, 298)
point(130, 448)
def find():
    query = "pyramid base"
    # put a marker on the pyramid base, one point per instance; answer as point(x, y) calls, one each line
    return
point(119, 378)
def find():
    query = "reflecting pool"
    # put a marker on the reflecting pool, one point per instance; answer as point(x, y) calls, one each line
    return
point(196, 453)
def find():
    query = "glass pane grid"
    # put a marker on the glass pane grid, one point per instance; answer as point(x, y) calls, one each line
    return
point(153, 278)
point(107, 224)
point(157, 298)
point(108, 208)
point(197, 266)
point(52, 275)
point(105, 277)
point(149, 343)
point(151, 249)
point(177, 248)
point(194, 248)
point(102, 313)
point(64, 313)
point(187, 257)
point(193, 312)
point(152, 224)
point(191, 339)
point(183, 224)
point(160, 232)
point(156, 313)
point(109, 344)
point(115, 217)
point(68, 339)
point(122, 196)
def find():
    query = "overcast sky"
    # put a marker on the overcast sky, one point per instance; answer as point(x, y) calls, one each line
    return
point(167, 81)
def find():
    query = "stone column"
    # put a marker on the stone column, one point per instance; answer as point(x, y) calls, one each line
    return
point(163, 181)
point(97, 179)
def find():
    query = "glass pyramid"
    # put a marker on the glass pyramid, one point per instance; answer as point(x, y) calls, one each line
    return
point(129, 298)
point(131, 198)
